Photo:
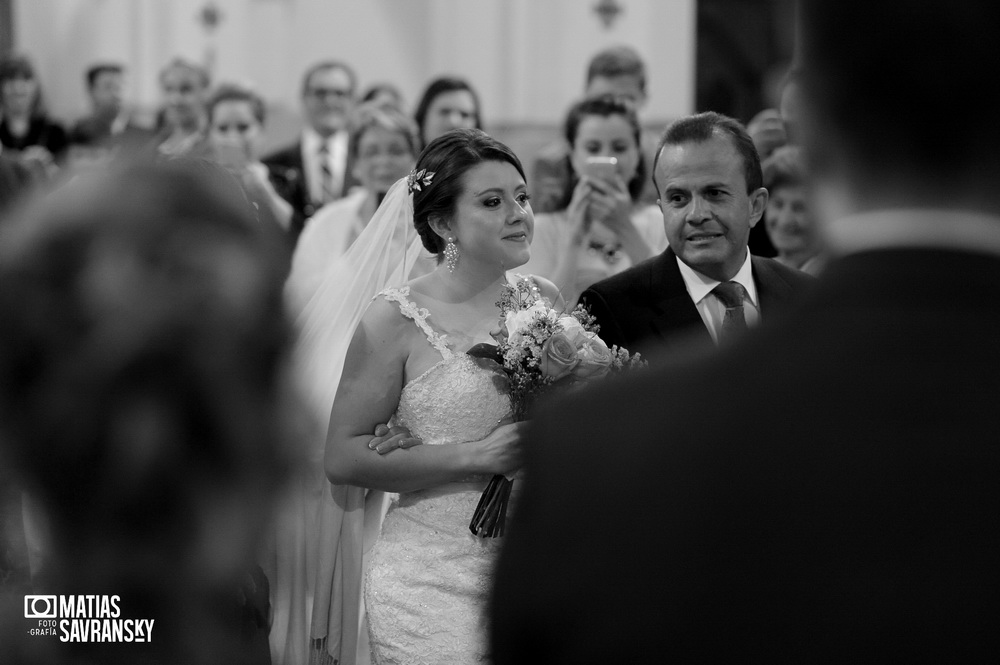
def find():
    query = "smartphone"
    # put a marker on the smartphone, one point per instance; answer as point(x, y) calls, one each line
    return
point(602, 168)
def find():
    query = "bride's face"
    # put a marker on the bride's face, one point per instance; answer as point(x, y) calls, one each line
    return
point(493, 222)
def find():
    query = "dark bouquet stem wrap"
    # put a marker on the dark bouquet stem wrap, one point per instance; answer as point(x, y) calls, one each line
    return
point(491, 513)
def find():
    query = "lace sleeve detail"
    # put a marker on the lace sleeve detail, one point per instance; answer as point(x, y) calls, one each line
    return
point(409, 309)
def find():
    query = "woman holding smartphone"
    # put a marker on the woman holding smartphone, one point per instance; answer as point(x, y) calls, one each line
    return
point(600, 230)
point(235, 131)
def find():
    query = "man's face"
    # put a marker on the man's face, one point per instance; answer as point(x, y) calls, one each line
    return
point(106, 93)
point(626, 87)
point(707, 212)
point(328, 100)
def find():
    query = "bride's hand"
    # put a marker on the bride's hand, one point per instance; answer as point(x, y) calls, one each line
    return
point(388, 439)
point(501, 450)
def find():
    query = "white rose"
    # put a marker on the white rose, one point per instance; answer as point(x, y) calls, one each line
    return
point(570, 323)
point(517, 322)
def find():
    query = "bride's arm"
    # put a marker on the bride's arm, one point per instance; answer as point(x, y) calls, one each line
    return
point(368, 395)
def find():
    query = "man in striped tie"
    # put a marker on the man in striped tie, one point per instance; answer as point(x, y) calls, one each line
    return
point(314, 170)
point(706, 285)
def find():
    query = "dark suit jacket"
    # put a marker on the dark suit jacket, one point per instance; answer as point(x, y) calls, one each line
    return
point(647, 308)
point(288, 176)
point(41, 131)
point(15, 182)
point(96, 129)
point(824, 491)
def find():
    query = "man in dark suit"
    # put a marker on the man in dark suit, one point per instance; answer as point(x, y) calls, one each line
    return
point(315, 169)
point(709, 180)
point(827, 489)
point(110, 122)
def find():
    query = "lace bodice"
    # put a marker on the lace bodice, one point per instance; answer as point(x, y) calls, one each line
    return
point(458, 399)
point(428, 577)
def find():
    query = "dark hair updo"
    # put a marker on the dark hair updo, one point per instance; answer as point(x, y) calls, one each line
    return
point(448, 157)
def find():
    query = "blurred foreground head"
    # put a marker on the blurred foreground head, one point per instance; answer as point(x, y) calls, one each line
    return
point(890, 121)
point(142, 393)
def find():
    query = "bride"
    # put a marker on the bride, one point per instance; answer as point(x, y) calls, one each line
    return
point(406, 365)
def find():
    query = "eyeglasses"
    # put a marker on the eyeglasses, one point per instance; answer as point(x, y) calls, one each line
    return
point(323, 93)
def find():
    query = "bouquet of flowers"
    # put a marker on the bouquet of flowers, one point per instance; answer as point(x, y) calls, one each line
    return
point(540, 348)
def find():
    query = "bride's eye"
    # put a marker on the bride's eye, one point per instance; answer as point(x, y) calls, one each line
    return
point(492, 202)
point(523, 198)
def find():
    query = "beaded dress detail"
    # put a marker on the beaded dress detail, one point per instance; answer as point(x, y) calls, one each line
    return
point(427, 581)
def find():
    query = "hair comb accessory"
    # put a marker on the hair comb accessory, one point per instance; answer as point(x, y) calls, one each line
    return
point(417, 180)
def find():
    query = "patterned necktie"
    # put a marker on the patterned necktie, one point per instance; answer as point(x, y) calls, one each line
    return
point(734, 323)
point(326, 174)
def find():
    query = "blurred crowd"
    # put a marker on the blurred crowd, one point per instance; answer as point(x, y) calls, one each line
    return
point(356, 141)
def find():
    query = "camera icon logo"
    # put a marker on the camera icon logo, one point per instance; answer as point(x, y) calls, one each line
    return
point(40, 607)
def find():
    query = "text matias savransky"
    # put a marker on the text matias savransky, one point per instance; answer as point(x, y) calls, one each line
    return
point(88, 618)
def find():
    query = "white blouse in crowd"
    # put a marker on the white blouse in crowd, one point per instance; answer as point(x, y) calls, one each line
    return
point(599, 256)
point(326, 237)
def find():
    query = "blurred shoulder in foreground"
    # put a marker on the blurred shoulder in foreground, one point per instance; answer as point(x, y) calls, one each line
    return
point(144, 403)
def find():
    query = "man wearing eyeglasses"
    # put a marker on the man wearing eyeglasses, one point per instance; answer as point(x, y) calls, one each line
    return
point(314, 170)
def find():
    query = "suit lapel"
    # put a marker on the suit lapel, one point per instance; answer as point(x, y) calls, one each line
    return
point(772, 290)
point(673, 311)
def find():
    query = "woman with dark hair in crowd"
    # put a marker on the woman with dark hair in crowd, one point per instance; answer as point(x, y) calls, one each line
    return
point(26, 132)
point(448, 103)
point(236, 117)
point(601, 229)
point(401, 358)
point(144, 404)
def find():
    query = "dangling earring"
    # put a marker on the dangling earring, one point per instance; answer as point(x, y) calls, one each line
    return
point(451, 254)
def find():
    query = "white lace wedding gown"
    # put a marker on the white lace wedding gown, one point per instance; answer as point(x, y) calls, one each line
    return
point(428, 576)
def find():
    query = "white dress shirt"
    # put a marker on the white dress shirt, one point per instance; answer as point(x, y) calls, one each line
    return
point(336, 145)
point(711, 309)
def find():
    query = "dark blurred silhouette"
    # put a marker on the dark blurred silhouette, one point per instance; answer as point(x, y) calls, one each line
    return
point(144, 405)
point(826, 490)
